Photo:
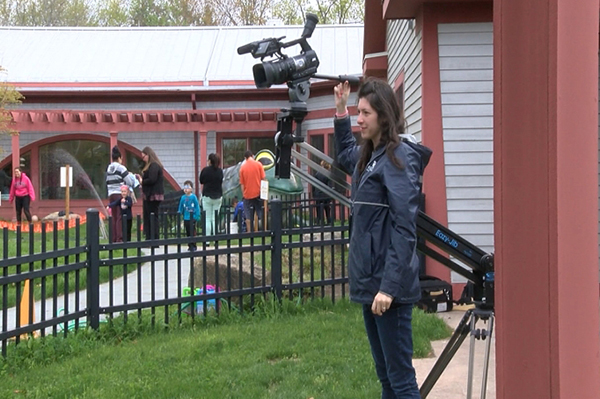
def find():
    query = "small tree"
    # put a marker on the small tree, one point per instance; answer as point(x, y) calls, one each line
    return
point(9, 97)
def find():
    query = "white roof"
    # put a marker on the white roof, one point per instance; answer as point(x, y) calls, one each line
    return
point(165, 58)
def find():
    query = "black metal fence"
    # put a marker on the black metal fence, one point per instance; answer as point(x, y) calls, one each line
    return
point(55, 281)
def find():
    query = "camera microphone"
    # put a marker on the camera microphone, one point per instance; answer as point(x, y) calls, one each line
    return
point(311, 22)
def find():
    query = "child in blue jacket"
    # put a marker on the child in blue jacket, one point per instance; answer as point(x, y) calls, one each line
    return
point(189, 207)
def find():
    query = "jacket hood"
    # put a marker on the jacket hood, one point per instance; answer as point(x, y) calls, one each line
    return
point(424, 152)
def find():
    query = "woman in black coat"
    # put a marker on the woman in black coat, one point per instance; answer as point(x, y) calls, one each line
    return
point(153, 191)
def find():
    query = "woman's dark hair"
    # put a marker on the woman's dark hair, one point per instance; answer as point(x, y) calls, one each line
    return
point(152, 158)
point(383, 100)
point(214, 160)
point(116, 154)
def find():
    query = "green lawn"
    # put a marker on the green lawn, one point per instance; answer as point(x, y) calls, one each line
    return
point(307, 352)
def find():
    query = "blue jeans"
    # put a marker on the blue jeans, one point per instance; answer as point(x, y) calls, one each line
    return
point(211, 206)
point(390, 336)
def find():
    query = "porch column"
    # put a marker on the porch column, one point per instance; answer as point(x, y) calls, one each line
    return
point(202, 150)
point(16, 151)
point(114, 139)
point(546, 198)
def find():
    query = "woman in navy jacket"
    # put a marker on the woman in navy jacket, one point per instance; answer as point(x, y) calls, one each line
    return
point(383, 264)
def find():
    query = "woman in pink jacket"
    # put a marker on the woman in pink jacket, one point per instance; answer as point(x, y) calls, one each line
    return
point(21, 191)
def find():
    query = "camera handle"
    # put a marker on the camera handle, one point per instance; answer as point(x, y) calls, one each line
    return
point(285, 137)
point(340, 78)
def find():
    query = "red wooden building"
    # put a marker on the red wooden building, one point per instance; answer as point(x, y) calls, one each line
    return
point(506, 94)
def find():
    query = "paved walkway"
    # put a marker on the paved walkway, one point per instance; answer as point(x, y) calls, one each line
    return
point(453, 381)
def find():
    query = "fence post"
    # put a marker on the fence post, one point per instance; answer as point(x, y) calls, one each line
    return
point(276, 245)
point(93, 266)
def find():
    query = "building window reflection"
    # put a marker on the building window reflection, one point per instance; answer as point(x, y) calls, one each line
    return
point(88, 160)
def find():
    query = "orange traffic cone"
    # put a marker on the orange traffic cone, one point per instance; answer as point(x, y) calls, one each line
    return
point(24, 310)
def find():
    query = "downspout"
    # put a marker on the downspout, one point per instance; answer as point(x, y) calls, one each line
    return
point(210, 57)
point(196, 153)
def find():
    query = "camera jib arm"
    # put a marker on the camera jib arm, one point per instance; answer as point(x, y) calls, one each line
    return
point(480, 262)
point(481, 276)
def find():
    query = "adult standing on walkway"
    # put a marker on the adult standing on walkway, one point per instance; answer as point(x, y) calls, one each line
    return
point(22, 193)
point(211, 178)
point(251, 174)
point(383, 263)
point(117, 175)
point(153, 191)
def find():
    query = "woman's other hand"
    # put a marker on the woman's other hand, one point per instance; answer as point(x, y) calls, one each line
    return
point(381, 303)
point(341, 93)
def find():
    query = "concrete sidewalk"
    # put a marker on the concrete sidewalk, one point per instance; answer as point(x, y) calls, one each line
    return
point(453, 381)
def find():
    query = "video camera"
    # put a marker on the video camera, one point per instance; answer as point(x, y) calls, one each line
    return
point(284, 68)
point(296, 72)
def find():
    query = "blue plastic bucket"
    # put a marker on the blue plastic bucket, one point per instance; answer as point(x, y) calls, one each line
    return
point(210, 303)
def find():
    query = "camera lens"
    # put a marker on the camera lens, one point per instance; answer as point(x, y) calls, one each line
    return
point(260, 77)
point(276, 72)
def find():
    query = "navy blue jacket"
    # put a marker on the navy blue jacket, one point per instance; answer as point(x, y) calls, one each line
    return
point(385, 206)
point(125, 212)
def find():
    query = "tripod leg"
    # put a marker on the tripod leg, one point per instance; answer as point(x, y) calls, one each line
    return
point(488, 347)
point(440, 365)
point(471, 357)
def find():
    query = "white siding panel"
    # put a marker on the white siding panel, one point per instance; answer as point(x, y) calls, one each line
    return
point(404, 56)
point(211, 142)
point(471, 193)
point(469, 146)
point(482, 86)
point(468, 134)
point(468, 98)
point(472, 75)
point(466, 82)
point(463, 110)
point(470, 181)
point(5, 145)
point(460, 50)
point(463, 63)
point(469, 170)
point(449, 38)
point(475, 205)
point(175, 150)
point(468, 158)
point(454, 122)
point(27, 138)
point(482, 27)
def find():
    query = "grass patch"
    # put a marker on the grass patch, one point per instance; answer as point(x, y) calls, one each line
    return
point(318, 350)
